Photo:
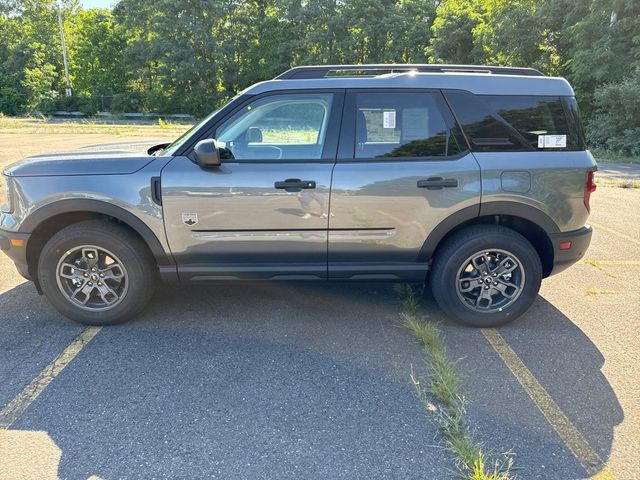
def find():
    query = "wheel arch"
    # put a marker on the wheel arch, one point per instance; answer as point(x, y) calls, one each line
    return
point(534, 224)
point(51, 218)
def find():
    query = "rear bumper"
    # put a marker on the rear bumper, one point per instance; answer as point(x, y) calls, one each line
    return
point(565, 257)
point(14, 245)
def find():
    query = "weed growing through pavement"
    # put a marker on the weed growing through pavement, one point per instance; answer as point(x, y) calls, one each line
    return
point(598, 265)
point(440, 394)
point(594, 292)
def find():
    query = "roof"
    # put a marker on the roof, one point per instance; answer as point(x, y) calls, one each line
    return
point(476, 79)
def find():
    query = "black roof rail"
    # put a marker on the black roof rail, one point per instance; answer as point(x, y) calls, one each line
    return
point(322, 71)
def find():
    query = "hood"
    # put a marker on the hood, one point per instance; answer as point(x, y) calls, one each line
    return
point(105, 159)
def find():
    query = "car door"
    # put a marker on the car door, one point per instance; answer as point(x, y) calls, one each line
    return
point(403, 167)
point(263, 213)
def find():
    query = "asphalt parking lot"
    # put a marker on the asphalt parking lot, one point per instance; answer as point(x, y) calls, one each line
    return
point(312, 380)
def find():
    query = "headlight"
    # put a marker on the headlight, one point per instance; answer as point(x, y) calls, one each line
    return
point(6, 202)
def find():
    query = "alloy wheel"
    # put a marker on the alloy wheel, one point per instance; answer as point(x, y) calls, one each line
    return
point(92, 278)
point(490, 280)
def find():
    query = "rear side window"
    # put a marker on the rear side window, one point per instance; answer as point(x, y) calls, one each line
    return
point(403, 124)
point(518, 122)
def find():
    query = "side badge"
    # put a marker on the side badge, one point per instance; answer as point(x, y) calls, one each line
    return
point(190, 219)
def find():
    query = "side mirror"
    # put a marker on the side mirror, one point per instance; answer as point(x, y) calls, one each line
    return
point(206, 153)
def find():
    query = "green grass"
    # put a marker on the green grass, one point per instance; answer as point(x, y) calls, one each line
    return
point(617, 183)
point(304, 137)
point(168, 124)
point(497, 471)
point(605, 156)
point(441, 397)
point(43, 125)
point(426, 333)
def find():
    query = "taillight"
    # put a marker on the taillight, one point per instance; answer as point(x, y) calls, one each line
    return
point(589, 187)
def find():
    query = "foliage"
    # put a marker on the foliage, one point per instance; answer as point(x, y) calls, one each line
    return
point(38, 77)
point(96, 43)
point(440, 394)
point(192, 55)
point(616, 124)
point(30, 52)
point(77, 103)
point(605, 47)
point(11, 101)
point(454, 32)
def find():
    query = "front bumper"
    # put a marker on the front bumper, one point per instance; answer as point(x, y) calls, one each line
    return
point(563, 258)
point(14, 245)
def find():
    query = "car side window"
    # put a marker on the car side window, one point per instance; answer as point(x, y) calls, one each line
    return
point(533, 116)
point(404, 124)
point(500, 123)
point(287, 127)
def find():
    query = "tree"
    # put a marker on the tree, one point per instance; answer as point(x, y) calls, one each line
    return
point(453, 32)
point(30, 52)
point(615, 125)
point(605, 47)
point(412, 36)
point(96, 44)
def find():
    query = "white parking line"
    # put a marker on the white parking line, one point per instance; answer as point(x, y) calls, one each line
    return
point(567, 431)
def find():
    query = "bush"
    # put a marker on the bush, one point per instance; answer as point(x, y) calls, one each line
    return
point(127, 102)
point(49, 102)
point(616, 124)
point(77, 103)
point(11, 101)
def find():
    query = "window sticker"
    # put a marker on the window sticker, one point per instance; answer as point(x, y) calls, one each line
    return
point(389, 119)
point(552, 141)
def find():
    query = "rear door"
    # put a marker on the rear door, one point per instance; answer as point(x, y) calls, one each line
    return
point(402, 168)
point(263, 213)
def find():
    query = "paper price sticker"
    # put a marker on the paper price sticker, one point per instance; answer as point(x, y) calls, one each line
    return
point(389, 119)
point(552, 141)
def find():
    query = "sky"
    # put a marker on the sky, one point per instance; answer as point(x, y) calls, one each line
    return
point(98, 3)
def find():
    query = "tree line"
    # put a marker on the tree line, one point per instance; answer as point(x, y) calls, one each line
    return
point(189, 56)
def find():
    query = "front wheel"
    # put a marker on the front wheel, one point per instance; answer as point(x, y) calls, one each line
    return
point(486, 275)
point(97, 273)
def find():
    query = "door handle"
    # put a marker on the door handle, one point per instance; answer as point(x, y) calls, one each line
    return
point(295, 184)
point(437, 183)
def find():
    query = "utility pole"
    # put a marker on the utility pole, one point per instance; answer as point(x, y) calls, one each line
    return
point(64, 50)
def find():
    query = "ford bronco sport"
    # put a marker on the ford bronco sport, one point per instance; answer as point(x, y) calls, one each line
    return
point(475, 179)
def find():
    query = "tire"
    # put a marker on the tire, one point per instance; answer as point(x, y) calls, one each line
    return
point(108, 267)
point(459, 276)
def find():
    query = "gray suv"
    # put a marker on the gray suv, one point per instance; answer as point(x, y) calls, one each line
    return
point(474, 179)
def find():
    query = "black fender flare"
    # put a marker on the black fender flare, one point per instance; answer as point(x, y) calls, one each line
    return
point(513, 209)
point(82, 205)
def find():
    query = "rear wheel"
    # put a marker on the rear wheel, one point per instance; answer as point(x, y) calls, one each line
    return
point(97, 273)
point(486, 275)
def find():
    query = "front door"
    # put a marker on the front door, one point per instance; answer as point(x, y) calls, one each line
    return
point(263, 213)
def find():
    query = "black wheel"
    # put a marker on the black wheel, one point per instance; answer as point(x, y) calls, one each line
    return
point(97, 273)
point(486, 275)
